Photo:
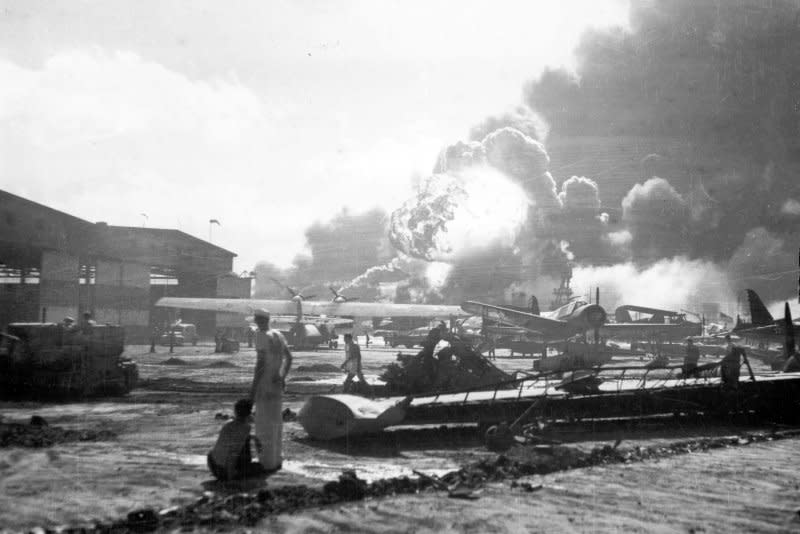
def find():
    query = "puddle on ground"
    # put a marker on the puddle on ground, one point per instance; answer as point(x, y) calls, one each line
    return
point(366, 470)
point(120, 411)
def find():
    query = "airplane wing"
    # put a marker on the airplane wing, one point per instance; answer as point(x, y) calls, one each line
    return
point(645, 309)
point(769, 329)
point(337, 309)
point(653, 329)
point(514, 317)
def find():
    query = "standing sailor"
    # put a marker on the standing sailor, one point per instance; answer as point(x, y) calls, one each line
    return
point(352, 364)
point(273, 361)
point(731, 364)
point(691, 358)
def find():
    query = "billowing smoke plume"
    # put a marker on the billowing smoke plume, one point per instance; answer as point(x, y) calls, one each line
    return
point(657, 218)
point(664, 169)
point(702, 94)
point(455, 213)
point(554, 228)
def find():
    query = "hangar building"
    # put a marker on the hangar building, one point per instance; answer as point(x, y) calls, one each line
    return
point(54, 265)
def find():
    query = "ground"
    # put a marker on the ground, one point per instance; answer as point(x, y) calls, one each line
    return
point(165, 428)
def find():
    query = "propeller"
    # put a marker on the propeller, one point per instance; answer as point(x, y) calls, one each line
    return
point(338, 297)
point(293, 292)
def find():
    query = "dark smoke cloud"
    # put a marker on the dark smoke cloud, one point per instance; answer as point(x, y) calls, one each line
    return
point(763, 263)
point(525, 160)
point(347, 245)
point(709, 90)
point(339, 250)
point(657, 218)
point(584, 227)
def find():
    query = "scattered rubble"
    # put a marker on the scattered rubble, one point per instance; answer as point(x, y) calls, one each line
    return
point(220, 510)
point(174, 361)
point(39, 434)
point(457, 366)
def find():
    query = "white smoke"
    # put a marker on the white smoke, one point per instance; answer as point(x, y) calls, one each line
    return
point(675, 284)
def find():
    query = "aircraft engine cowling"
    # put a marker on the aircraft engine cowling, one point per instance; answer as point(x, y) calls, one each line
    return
point(594, 315)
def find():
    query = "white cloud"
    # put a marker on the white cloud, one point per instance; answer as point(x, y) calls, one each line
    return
point(107, 136)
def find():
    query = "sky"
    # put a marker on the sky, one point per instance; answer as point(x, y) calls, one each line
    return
point(266, 116)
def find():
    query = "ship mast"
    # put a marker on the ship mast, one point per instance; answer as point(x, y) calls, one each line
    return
point(563, 293)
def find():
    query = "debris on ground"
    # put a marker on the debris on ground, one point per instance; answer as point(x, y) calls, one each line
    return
point(457, 366)
point(39, 434)
point(38, 420)
point(221, 510)
point(174, 361)
point(219, 416)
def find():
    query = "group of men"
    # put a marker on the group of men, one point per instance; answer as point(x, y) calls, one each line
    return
point(231, 458)
point(730, 364)
point(85, 325)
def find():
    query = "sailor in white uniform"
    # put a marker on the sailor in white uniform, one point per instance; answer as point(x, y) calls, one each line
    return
point(273, 361)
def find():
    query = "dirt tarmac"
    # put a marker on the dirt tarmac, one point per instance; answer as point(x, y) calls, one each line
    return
point(165, 428)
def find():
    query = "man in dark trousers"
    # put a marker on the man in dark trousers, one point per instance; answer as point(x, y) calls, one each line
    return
point(231, 459)
point(691, 359)
point(731, 364)
point(352, 363)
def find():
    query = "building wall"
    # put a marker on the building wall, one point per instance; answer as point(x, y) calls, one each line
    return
point(36, 238)
point(165, 248)
point(121, 295)
point(19, 303)
point(58, 286)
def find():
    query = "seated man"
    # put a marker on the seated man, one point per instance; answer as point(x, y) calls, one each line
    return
point(230, 459)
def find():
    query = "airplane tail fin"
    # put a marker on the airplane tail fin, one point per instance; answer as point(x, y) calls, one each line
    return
point(621, 315)
point(789, 342)
point(759, 315)
point(535, 305)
